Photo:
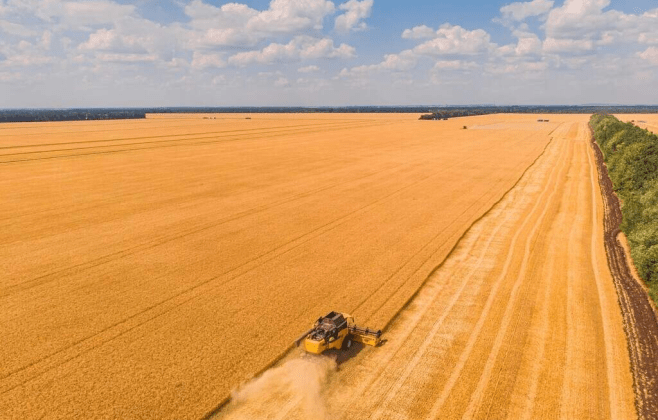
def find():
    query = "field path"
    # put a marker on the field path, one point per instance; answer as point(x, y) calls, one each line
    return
point(151, 266)
point(521, 321)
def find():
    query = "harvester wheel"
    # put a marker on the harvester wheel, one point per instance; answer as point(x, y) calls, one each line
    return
point(349, 343)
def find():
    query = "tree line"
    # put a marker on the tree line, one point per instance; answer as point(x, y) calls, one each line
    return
point(631, 155)
point(432, 112)
point(34, 115)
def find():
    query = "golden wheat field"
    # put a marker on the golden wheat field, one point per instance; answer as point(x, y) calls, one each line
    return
point(152, 266)
point(648, 121)
point(521, 321)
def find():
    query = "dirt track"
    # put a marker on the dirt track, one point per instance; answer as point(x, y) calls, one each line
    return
point(640, 321)
point(521, 321)
point(151, 266)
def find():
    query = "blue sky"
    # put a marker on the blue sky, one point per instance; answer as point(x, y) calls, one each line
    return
point(75, 53)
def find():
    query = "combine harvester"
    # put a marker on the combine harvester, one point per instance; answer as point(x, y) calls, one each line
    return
point(336, 331)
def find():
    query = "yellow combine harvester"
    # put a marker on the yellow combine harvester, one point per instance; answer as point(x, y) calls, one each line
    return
point(336, 331)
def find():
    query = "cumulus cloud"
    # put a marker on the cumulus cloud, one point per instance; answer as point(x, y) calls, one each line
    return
point(285, 16)
point(281, 82)
point(556, 45)
point(448, 40)
point(650, 54)
point(406, 60)
point(46, 40)
point(454, 65)
point(27, 60)
point(309, 69)
point(528, 69)
point(98, 38)
point(206, 16)
point(71, 15)
point(359, 71)
point(88, 13)
point(25, 54)
point(455, 40)
point(528, 43)
point(11, 28)
point(577, 18)
point(401, 62)
point(202, 61)
point(300, 48)
point(523, 10)
point(235, 24)
point(355, 12)
point(126, 58)
point(111, 40)
point(419, 32)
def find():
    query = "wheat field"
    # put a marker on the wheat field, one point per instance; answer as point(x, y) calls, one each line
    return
point(152, 266)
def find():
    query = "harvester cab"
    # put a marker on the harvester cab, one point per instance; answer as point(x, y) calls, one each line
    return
point(336, 331)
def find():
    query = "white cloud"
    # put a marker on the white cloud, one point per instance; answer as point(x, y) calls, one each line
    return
point(402, 62)
point(406, 60)
point(309, 69)
point(650, 54)
point(46, 40)
point(454, 65)
point(137, 36)
point(225, 25)
point(235, 24)
point(281, 82)
point(202, 61)
point(231, 15)
point(648, 38)
point(523, 10)
point(448, 40)
point(111, 40)
point(7, 76)
point(227, 37)
point(585, 19)
point(528, 43)
point(520, 70)
point(419, 32)
point(355, 12)
point(95, 12)
point(557, 45)
point(16, 29)
point(359, 71)
point(126, 57)
point(300, 48)
point(457, 41)
point(27, 60)
point(323, 48)
point(285, 16)
point(270, 54)
point(26, 54)
point(71, 15)
point(110, 44)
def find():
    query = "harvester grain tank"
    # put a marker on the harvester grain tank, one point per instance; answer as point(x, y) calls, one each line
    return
point(336, 331)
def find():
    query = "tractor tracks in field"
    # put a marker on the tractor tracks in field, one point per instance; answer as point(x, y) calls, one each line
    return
point(20, 157)
point(640, 323)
